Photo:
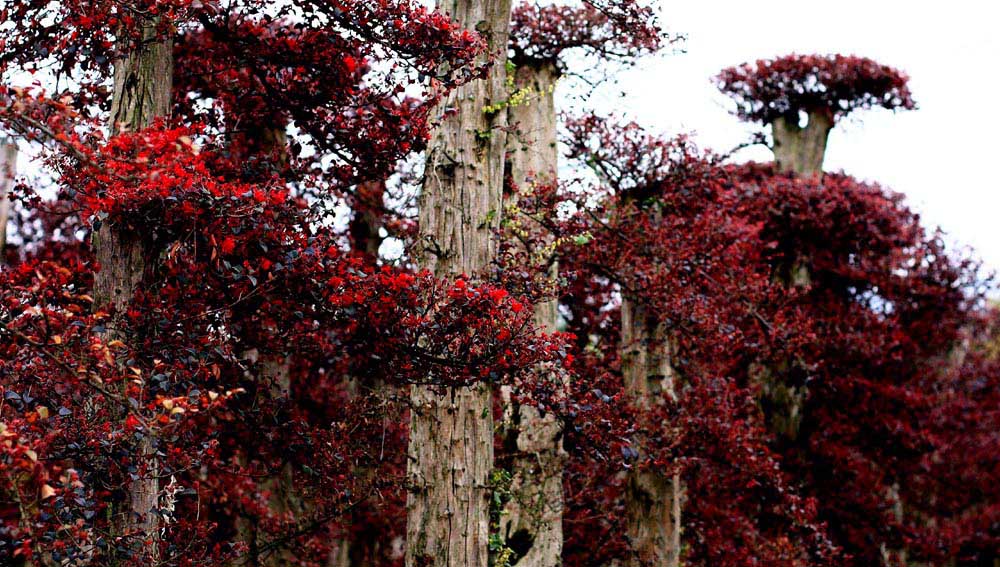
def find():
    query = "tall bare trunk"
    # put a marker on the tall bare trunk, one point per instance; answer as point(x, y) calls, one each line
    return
point(531, 522)
point(142, 89)
point(8, 162)
point(652, 499)
point(450, 454)
point(801, 149)
point(534, 155)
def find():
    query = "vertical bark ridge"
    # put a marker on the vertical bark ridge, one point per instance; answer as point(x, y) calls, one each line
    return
point(653, 500)
point(143, 82)
point(531, 522)
point(142, 90)
point(450, 454)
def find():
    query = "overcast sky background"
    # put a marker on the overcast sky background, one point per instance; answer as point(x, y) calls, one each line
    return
point(940, 156)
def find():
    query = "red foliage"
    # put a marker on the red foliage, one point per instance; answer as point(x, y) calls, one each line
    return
point(87, 34)
point(246, 277)
point(260, 347)
point(708, 247)
point(238, 272)
point(956, 483)
point(665, 234)
point(266, 74)
point(834, 84)
point(540, 33)
point(881, 311)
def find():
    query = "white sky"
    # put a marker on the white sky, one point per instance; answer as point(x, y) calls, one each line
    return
point(939, 156)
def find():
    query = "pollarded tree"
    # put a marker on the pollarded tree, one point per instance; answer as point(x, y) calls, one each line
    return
point(668, 234)
point(450, 454)
point(653, 497)
point(541, 36)
point(822, 90)
point(819, 88)
point(781, 93)
point(869, 338)
point(543, 39)
point(240, 260)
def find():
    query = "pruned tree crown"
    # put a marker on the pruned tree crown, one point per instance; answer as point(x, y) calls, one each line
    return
point(838, 84)
point(540, 34)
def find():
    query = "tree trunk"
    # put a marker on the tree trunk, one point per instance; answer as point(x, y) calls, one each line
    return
point(8, 163)
point(533, 149)
point(143, 83)
point(269, 157)
point(366, 223)
point(800, 150)
point(450, 460)
point(360, 548)
point(450, 454)
point(531, 523)
point(142, 89)
point(652, 499)
point(284, 500)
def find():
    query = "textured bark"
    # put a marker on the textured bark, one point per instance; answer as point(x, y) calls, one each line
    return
point(783, 393)
point(450, 454)
point(143, 83)
point(450, 460)
point(8, 161)
point(533, 149)
point(142, 89)
point(801, 150)
point(652, 500)
point(531, 523)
